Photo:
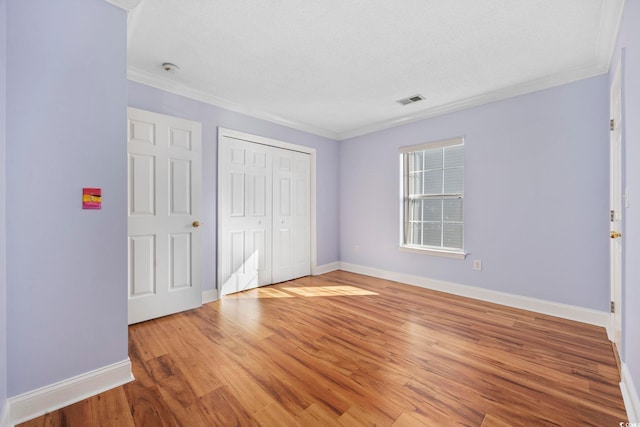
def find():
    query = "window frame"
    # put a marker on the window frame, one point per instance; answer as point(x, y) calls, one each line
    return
point(404, 201)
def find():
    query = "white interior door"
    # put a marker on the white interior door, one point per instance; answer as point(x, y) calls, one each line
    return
point(264, 208)
point(165, 190)
point(291, 225)
point(615, 195)
point(283, 233)
point(245, 197)
point(301, 214)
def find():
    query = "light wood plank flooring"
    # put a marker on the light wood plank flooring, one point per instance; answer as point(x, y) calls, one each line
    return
point(349, 350)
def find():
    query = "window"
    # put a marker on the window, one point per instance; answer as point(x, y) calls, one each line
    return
point(433, 197)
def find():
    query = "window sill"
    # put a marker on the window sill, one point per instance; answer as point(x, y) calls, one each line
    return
point(436, 252)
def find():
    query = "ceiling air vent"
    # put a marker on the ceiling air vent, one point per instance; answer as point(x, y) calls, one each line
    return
point(410, 100)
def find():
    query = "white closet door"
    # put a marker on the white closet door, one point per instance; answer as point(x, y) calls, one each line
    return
point(245, 215)
point(264, 214)
point(291, 224)
point(283, 233)
point(301, 215)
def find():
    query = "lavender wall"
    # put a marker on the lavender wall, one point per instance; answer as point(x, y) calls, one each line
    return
point(536, 196)
point(66, 115)
point(3, 230)
point(629, 43)
point(211, 117)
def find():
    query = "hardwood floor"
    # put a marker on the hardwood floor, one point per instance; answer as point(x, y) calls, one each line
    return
point(349, 350)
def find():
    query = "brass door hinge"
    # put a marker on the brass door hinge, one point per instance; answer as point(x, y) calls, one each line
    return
point(613, 307)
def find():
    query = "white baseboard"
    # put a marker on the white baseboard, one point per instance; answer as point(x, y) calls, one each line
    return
point(37, 402)
point(209, 296)
point(630, 395)
point(565, 311)
point(326, 268)
point(609, 328)
point(4, 415)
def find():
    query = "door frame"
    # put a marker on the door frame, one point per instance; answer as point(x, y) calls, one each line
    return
point(616, 199)
point(230, 133)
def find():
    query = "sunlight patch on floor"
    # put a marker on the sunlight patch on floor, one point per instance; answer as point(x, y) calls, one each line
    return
point(261, 293)
point(328, 291)
point(300, 291)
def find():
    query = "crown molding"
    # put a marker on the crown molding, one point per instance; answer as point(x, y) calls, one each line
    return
point(172, 86)
point(169, 85)
point(125, 4)
point(485, 98)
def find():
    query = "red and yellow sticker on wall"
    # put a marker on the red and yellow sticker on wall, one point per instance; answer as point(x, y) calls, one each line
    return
point(91, 198)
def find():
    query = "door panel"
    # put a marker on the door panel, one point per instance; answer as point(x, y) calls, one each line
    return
point(237, 251)
point(141, 261)
point(165, 188)
point(180, 138)
point(260, 242)
point(259, 196)
point(237, 194)
point(180, 260)
point(179, 187)
point(283, 264)
point(285, 197)
point(142, 171)
point(141, 132)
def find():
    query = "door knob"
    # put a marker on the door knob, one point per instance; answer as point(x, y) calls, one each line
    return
point(196, 224)
point(615, 234)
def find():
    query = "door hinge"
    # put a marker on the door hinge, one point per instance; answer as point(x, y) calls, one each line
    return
point(613, 307)
point(612, 215)
point(612, 124)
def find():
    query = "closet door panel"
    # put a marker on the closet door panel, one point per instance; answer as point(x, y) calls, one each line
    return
point(245, 223)
point(282, 218)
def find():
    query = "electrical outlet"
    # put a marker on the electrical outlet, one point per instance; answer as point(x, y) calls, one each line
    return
point(356, 249)
point(477, 264)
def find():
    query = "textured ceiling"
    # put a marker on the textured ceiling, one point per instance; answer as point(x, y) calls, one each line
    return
point(336, 67)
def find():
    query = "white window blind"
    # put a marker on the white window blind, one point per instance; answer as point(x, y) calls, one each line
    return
point(433, 195)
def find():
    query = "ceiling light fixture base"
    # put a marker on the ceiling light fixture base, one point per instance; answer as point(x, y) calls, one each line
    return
point(170, 68)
